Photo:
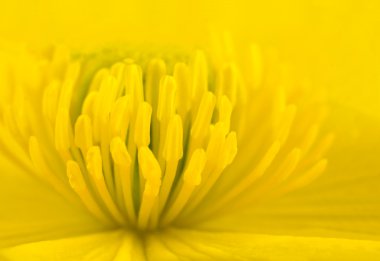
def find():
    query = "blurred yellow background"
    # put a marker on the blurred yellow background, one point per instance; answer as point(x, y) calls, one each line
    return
point(336, 43)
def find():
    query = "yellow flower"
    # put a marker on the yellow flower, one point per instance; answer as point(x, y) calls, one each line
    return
point(175, 153)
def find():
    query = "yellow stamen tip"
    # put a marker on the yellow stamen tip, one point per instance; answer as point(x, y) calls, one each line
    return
point(119, 152)
point(204, 114)
point(225, 111)
point(174, 138)
point(231, 149)
point(166, 98)
point(120, 117)
point(133, 83)
point(75, 176)
point(142, 128)
point(94, 162)
point(193, 173)
point(149, 165)
point(83, 133)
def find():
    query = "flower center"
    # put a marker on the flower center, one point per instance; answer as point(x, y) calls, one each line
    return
point(145, 142)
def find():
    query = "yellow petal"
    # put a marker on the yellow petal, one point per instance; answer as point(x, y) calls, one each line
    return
point(245, 246)
point(31, 210)
point(99, 246)
point(130, 248)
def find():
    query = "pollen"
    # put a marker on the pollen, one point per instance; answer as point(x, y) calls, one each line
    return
point(146, 141)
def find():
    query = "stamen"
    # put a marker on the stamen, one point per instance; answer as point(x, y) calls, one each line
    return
point(151, 171)
point(133, 84)
point(320, 149)
point(155, 141)
point(214, 148)
point(286, 123)
point(191, 179)
point(83, 133)
point(79, 186)
point(142, 127)
point(166, 98)
point(306, 178)
point(155, 72)
point(108, 91)
point(165, 108)
point(122, 161)
point(227, 154)
point(225, 111)
point(173, 152)
point(118, 71)
point(288, 166)
point(283, 172)
point(202, 120)
point(95, 169)
point(120, 117)
point(98, 79)
point(245, 183)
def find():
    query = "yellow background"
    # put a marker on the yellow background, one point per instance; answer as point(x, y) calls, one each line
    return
point(335, 42)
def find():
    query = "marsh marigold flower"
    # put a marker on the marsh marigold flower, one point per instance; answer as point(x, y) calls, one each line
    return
point(151, 143)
